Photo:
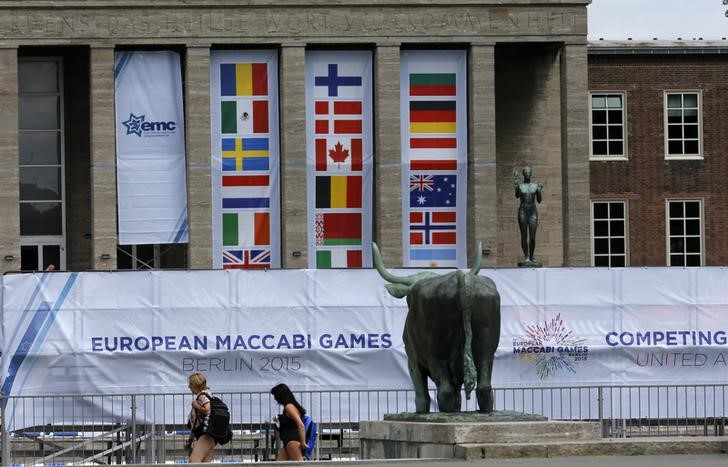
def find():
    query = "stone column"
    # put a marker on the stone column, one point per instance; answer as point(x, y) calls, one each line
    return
point(197, 134)
point(9, 161)
point(388, 154)
point(103, 159)
point(575, 154)
point(482, 195)
point(294, 226)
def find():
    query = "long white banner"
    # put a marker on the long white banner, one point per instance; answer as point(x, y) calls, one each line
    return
point(150, 148)
point(339, 154)
point(142, 332)
point(433, 107)
point(245, 159)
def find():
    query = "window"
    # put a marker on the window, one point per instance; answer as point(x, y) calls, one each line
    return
point(609, 232)
point(684, 233)
point(607, 126)
point(41, 163)
point(682, 124)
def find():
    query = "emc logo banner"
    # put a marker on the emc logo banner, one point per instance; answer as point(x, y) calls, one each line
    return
point(137, 126)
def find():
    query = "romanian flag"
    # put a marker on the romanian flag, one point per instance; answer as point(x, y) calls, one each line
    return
point(244, 79)
point(338, 228)
point(432, 117)
point(242, 154)
point(338, 191)
point(432, 84)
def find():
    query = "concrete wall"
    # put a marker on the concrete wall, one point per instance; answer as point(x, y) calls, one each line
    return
point(528, 79)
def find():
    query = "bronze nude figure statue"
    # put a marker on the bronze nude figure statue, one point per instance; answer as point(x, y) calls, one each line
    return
point(529, 193)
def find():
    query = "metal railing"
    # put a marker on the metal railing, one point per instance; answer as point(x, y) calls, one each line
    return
point(88, 429)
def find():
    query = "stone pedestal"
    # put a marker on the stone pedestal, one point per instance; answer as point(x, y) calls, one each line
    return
point(447, 436)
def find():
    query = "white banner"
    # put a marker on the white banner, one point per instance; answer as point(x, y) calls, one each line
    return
point(143, 332)
point(150, 148)
point(339, 157)
point(245, 159)
point(433, 109)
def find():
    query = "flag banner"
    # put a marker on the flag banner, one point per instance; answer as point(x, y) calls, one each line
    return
point(339, 153)
point(322, 330)
point(245, 159)
point(244, 79)
point(343, 258)
point(338, 191)
point(338, 228)
point(239, 154)
point(243, 116)
point(150, 148)
point(433, 107)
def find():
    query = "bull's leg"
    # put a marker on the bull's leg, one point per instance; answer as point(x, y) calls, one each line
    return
point(483, 389)
point(448, 396)
point(419, 381)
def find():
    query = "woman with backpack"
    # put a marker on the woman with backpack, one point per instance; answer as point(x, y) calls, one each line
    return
point(290, 425)
point(200, 444)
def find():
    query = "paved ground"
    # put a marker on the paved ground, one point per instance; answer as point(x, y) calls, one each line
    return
point(699, 460)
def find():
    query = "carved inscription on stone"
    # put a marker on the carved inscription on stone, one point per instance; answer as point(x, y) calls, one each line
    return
point(230, 23)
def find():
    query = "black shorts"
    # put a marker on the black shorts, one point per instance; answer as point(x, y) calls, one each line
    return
point(289, 435)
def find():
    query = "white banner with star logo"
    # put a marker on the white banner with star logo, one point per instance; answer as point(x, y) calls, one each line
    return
point(150, 148)
point(434, 157)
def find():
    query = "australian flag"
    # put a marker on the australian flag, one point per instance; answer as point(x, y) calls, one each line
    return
point(432, 191)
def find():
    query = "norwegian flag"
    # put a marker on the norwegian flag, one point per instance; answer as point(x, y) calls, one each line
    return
point(433, 228)
point(246, 259)
point(338, 117)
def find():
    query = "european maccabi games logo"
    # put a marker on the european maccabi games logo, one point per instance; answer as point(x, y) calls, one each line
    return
point(551, 347)
point(137, 125)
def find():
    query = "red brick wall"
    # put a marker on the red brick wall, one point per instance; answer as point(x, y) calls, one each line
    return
point(646, 179)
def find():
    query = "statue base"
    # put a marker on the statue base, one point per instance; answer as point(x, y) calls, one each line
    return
point(529, 263)
point(453, 435)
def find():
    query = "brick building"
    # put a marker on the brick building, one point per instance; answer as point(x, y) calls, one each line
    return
point(658, 152)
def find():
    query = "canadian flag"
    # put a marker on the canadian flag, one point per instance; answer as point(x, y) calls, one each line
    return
point(338, 154)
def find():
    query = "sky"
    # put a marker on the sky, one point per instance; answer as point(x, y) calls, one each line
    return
point(661, 19)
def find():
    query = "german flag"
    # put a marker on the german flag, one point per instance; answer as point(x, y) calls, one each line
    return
point(432, 117)
point(432, 84)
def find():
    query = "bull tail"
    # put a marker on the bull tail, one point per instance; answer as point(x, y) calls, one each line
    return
point(465, 300)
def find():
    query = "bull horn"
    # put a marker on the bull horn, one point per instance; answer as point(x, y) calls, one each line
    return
point(477, 259)
point(386, 275)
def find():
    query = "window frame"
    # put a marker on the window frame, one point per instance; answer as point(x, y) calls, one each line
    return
point(40, 241)
point(625, 202)
point(625, 149)
point(665, 125)
point(701, 203)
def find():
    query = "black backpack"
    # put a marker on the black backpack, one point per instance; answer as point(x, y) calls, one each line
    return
point(218, 423)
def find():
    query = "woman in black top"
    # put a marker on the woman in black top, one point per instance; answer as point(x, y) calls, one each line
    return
point(290, 425)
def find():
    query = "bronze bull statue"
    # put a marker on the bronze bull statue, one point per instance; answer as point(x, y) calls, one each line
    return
point(451, 333)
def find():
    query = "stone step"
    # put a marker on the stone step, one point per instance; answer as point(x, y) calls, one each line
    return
point(601, 447)
point(495, 432)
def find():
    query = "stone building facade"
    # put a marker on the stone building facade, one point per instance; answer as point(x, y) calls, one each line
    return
point(527, 78)
point(659, 156)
